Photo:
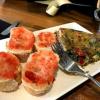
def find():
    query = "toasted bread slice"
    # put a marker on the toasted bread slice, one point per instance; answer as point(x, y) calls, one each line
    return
point(21, 42)
point(39, 71)
point(44, 40)
point(10, 72)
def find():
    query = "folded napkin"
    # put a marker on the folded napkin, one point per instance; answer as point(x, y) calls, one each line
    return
point(98, 4)
point(54, 5)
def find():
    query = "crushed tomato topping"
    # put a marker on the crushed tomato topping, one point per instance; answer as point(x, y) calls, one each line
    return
point(8, 65)
point(41, 67)
point(21, 38)
point(46, 39)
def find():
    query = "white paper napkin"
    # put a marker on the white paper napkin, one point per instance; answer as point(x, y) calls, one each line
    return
point(53, 5)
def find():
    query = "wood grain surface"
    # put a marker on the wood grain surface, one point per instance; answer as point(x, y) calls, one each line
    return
point(33, 17)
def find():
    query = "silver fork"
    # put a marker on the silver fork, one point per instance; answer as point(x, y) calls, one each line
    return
point(68, 65)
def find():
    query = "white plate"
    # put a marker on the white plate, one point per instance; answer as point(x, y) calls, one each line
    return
point(63, 83)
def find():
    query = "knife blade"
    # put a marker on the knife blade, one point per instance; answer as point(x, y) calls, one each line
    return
point(7, 30)
point(6, 33)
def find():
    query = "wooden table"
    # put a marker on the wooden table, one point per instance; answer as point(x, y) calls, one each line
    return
point(33, 16)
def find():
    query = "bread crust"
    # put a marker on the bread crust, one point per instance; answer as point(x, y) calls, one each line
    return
point(38, 76)
point(10, 85)
point(21, 54)
point(36, 90)
point(10, 75)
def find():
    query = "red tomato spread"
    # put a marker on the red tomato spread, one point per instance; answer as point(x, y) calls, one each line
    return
point(21, 39)
point(46, 39)
point(41, 67)
point(8, 65)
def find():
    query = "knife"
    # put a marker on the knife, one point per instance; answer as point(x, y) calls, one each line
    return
point(7, 30)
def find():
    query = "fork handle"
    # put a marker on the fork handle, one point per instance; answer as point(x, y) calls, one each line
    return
point(86, 74)
point(93, 80)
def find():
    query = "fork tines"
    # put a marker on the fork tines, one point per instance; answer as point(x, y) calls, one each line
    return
point(58, 48)
point(65, 61)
